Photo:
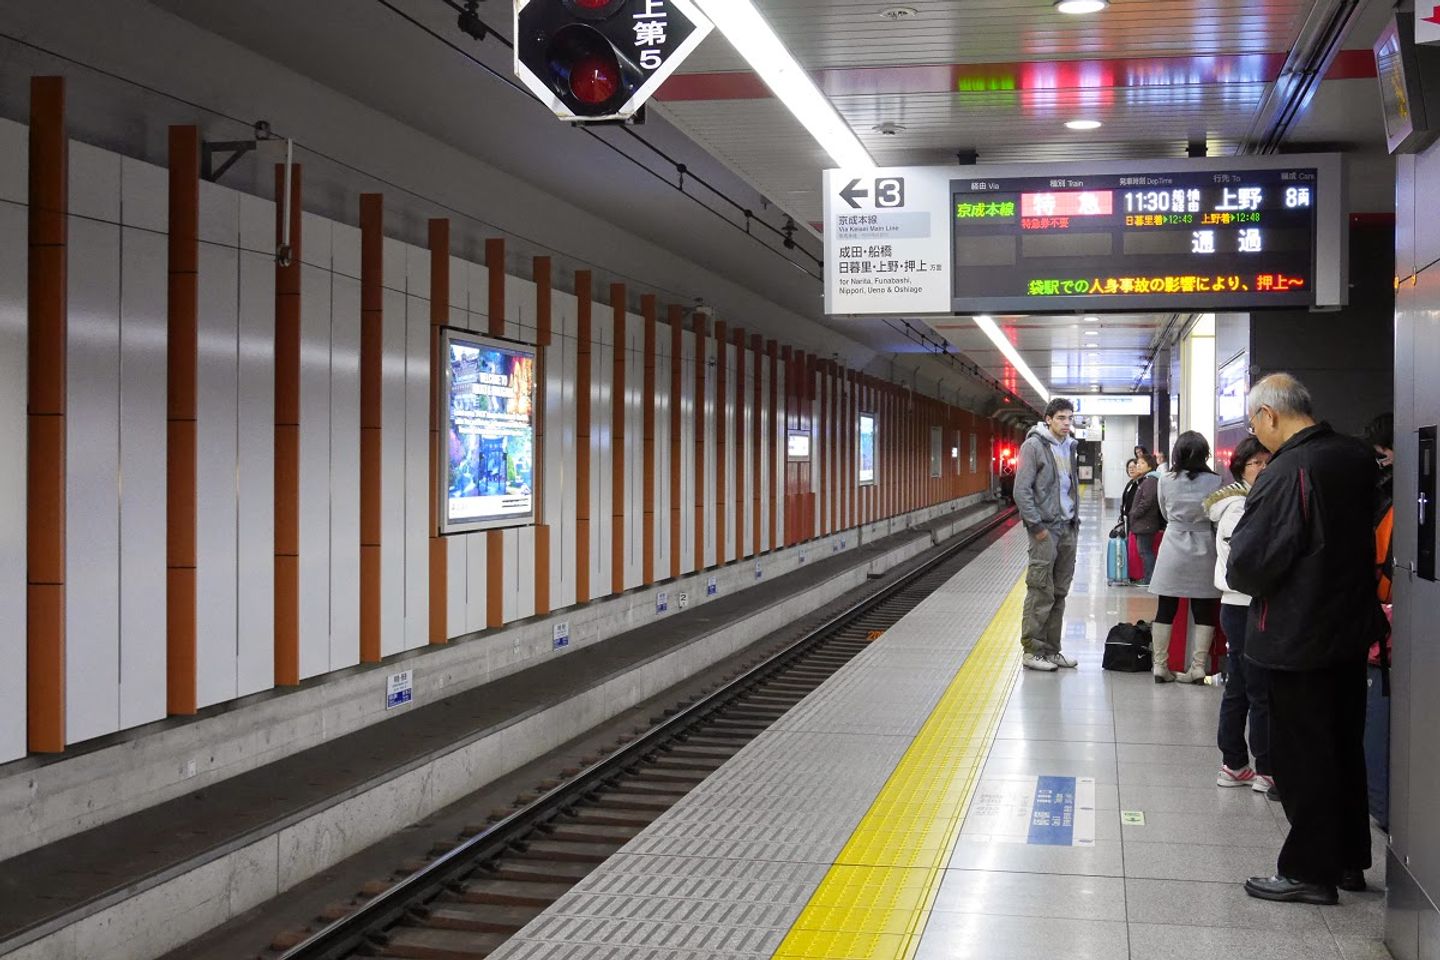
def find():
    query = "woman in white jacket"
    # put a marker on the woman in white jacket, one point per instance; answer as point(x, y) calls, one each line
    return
point(1245, 685)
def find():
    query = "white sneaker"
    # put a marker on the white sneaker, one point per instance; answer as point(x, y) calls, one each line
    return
point(1060, 660)
point(1263, 783)
point(1237, 778)
point(1032, 662)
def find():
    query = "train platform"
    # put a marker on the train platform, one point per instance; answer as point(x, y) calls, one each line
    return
point(932, 800)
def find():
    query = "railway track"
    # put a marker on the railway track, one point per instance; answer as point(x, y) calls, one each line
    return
point(470, 898)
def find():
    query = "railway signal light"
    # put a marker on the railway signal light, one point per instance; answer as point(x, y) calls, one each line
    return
point(600, 60)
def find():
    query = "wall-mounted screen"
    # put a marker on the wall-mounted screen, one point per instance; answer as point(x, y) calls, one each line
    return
point(1409, 74)
point(1231, 238)
point(488, 475)
point(1231, 385)
point(867, 448)
point(797, 446)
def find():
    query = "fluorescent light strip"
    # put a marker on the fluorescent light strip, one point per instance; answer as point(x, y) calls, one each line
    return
point(1008, 349)
point(752, 37)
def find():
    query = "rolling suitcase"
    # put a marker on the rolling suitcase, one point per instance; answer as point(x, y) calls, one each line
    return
point(1117, 562)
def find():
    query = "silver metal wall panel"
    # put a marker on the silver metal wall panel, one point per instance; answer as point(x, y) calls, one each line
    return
point(14, 162)
point(417, 458)
point(345, 251)
point(316, 248)
point(255, 520)
point(92, 477)
point(144, 259)
point(344, 459)
point(392, 463)
point(315, 440)
point(520, 572)
point(520, 309)
point(457, 586)
point(13, 444)
point(216, 461)
point(478, 282)
point(459, 293)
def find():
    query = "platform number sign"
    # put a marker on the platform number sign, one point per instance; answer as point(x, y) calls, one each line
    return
point(888, 192)
point(600, 60)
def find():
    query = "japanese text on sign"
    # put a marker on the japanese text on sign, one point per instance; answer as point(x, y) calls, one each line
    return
point(651, 24)
point(1183, 283)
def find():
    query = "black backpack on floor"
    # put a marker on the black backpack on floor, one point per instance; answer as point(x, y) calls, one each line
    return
point(1127, 648)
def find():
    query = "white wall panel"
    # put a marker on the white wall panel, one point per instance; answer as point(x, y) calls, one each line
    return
point(417, 456)
point(518, 588)
point(345, 250)
point(634, 516)
point(562, 557)
point(747, 445)
point(344, 460)
point(255, 620)
point(459, 293)
point(316, 240)
point(708, 466)
point(94, 184)
point(476, 564)
point(601, 481)
point(314, 466)
point(13, 433)
point(732, 447)
point(92, 450)
point(520, 309)
point(478, 281)
point(456, 586)
point(392, 464)
point(686, 452)
point(661, 401)
point(143, 273)
point(219, 219)
point(144, 195)
point(257, 229)
point(14, 162)
point(763, 450)
point(216, 459)
point(778, 503)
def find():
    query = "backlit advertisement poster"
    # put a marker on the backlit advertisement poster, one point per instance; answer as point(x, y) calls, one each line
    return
point(867, 448)
point(490, 429)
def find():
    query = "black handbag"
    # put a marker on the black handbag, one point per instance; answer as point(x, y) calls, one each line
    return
point(1127, 648)
point(1118, 531)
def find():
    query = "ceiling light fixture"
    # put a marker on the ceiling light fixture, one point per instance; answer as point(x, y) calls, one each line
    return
point(1083, 124)
point(751, 36)
point(1076, 7)
point(1092, 319)
point(905, 13)
point(1003, 344)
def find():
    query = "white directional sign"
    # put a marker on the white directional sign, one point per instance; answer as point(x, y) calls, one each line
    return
point(887, 242)
point(593, 60)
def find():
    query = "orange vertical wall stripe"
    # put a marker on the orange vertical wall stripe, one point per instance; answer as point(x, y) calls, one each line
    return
point(701, 332)
point(287, 437)
point(541, 271)
point(739, 446)
point(45, 470)
point(182, 308)
point(676, 318)
point(372, 356)
point(617, 442)
point(439, 230)
point(584, 334)
point(647, 400)
point(495, 266)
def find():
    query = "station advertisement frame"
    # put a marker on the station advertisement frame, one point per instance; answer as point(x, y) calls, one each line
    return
point(488, 468)
point(866, 468)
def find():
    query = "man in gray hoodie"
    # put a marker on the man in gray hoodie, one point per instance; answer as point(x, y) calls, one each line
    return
point(1046, 493)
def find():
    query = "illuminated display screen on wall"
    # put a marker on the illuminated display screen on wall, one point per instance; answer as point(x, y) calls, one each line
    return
point(489, 468)
point(867, 448)
point(1219, 239)
point(797, 446)
point(1231, 385)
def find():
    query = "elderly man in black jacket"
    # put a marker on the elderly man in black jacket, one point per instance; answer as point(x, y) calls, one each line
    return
point(1305, 551)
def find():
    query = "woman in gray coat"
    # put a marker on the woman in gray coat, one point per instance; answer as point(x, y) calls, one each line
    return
point(1185, 566)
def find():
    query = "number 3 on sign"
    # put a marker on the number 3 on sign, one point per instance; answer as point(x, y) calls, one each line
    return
point(890, 192)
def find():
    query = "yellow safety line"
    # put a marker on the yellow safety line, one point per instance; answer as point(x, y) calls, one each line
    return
point(875, 899)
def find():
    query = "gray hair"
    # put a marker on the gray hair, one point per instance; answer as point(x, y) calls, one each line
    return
point(1282, 393)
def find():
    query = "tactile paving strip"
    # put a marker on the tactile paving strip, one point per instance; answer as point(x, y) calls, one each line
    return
point(873, 903)
point(728, 870)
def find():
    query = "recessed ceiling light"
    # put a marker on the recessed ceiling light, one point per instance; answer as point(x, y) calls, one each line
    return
point(905, 13)
point(1083, 124)
point(1081, 6)
point(888, 128)
point(1092, 319)
point(1092, 333)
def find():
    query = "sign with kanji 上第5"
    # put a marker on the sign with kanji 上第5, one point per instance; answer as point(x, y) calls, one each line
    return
point(593, 60)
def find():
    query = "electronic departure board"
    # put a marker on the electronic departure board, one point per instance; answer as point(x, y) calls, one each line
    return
point(1218, 239)
point(1116, 236)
